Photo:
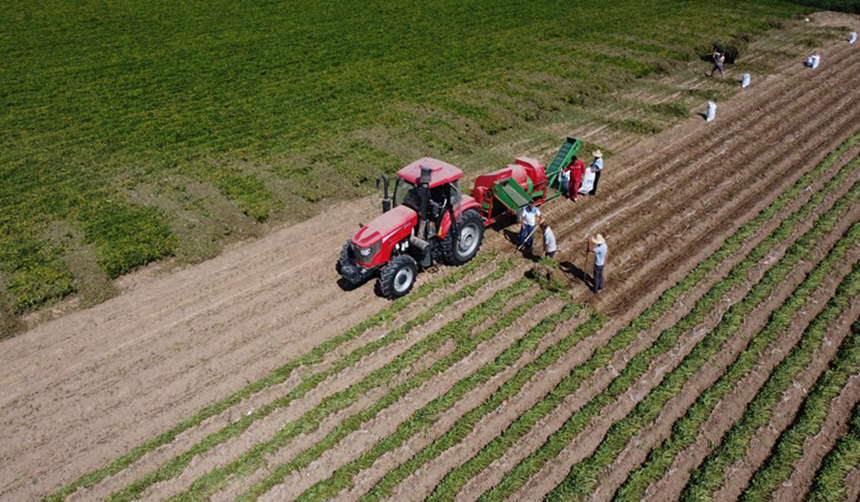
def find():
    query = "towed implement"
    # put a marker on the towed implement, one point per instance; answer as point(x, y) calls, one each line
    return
point(428, 220)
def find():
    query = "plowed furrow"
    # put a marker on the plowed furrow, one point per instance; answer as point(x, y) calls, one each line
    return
point(427, 322)
point(334, 448)
point(456, 330)
point(580, 418)
point(727, 391)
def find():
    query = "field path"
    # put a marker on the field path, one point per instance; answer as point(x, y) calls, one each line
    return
point(80, 391)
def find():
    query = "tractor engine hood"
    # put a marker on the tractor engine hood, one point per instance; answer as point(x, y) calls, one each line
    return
point(382, 233)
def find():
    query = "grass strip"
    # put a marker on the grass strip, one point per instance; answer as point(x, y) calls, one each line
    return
point(255, 458)
point(583, 476)
point(789, 447)
point(427, 416)
point(459, 476)
point(829, 484)
point(687, 428)
point(709, 476)
point(173, 467)
point(465, 346)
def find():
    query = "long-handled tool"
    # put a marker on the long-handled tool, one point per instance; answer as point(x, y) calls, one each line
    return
point(585, 264)
point(523, 243)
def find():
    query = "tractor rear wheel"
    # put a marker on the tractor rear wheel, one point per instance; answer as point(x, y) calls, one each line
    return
point(458, 251)
point(398, 277)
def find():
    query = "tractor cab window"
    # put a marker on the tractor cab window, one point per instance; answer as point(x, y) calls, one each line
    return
point(455, 193)
point(406, 193)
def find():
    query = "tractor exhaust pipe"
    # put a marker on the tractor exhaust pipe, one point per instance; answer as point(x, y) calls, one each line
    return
point(386, 200)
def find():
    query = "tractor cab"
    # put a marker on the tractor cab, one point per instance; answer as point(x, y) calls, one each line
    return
point(443, 197)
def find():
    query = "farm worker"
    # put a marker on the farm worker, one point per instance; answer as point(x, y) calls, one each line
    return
point(549, 247)
point(577, 171)
point(596, 166)
point(719, 59)
point(597, 245)
point(531, 216)
point(565, 180)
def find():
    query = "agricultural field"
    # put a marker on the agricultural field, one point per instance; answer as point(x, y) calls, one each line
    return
point(136, 132)
point(722, 362)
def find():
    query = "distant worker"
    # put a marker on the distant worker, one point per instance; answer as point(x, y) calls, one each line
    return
point(719, 60)
point(597, 245)
point(577, 171)
point(531, 217)
point(596, 166)
point(549, 247)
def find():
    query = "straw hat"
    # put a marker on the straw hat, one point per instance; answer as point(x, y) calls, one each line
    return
point(598, 239)
point(597, 153)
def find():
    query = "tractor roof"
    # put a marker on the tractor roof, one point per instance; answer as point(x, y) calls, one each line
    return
point(443, 172)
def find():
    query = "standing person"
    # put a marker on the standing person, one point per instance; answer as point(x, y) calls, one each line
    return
point(719, 60)
point(549, 247)
point(577, 171)
point(565, 180)
point(596, 166)
point(531, 215)
point(597, 245)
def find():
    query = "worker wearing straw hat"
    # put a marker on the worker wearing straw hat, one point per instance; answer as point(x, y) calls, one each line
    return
point(597, 245)
point(596, 166)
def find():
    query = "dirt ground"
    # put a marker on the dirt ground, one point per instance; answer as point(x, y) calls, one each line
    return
point(80, 391)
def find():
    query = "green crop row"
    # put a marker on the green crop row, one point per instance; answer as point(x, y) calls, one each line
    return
point(665, 342)
point(708, 477)
point(465, 345)
point(789, 446)
point(458, 477)
point(281, 374)
point(829, 484)
point(583, 476)
point(256, 457)
point(685, 430)
point(427, 416)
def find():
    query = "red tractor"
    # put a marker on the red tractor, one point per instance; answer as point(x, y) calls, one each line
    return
point(430, 220)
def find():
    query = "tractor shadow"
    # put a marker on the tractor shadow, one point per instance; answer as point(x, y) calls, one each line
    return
point(577, 273)
point(345, 285)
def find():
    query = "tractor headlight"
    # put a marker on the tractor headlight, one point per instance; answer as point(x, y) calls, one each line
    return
point(365, 255)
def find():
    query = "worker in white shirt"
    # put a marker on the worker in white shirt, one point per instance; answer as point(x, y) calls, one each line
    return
point(596, 166)
point(597, 245)
point(549, 247)
point(531, 216)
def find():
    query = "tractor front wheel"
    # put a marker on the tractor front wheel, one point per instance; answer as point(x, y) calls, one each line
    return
point(460, 249)
point(397, 278)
